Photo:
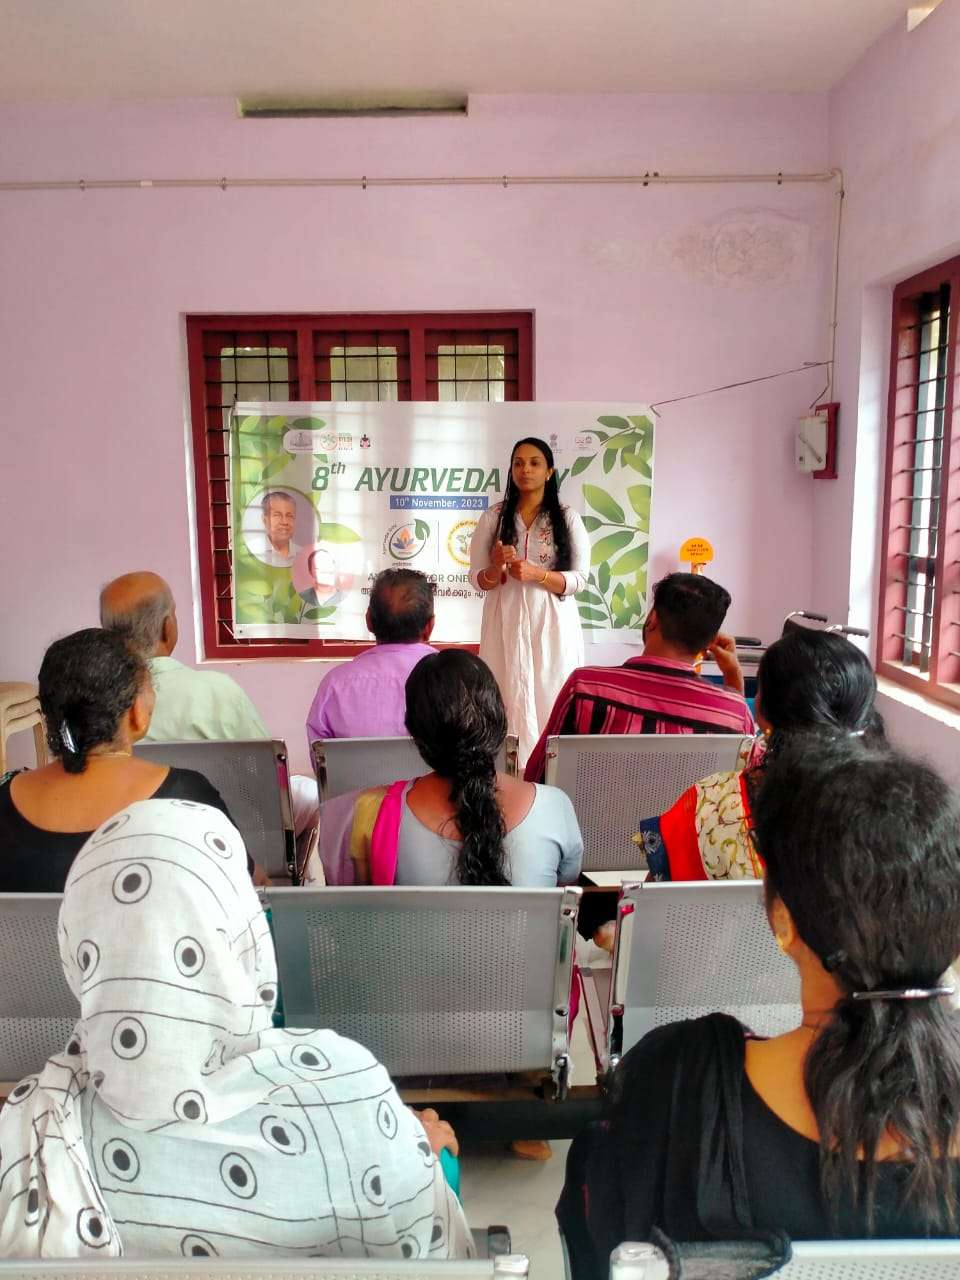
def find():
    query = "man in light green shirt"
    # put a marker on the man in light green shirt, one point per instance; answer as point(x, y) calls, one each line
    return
point(191, 705)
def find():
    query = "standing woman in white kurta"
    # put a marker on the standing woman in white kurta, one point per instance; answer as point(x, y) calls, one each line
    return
point(530, 556)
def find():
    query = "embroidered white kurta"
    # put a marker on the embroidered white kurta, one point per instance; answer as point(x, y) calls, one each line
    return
point(530, 638)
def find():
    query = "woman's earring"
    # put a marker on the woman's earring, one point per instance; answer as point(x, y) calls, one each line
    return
point(781, 944)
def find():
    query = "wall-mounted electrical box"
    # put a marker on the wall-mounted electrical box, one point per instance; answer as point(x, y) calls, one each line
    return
point(815, 443)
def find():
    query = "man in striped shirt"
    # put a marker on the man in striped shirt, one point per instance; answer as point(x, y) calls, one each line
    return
point(660, 691)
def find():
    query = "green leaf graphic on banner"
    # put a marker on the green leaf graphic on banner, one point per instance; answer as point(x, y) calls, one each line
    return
point(638, 464)
point(619, 597)
point(641, 422)
point(586, 596)
point(609, 460)
point(336, 533)
point(255, 612)
point(591, 523)
point(321, 611)
point(592, 615)
point(421, 529)
point(250, 424)
point(610, 545)
point(601, 501)
point(629, 441)
point(603, 578)
point(581, 464)
point(639, 495)
point(614, 423)
point(274, 468)
point(276, 425)
point(631, 562)
point(633, 595)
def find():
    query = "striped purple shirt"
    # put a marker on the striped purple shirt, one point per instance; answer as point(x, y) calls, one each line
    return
point(645, 695)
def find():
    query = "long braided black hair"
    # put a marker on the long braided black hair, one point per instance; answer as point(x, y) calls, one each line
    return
point(456, 717)
point(506, 529)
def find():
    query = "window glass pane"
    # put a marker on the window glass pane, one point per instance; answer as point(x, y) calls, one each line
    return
point(923, 501)
point(472, 391)
point(447, 390)
point(362, 391)
point(471, 366)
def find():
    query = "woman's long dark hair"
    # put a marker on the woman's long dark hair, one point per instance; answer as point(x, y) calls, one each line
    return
point(863, 848)
point(814, 681)
point(87, 681)
point(456, 717)
point(507, 528)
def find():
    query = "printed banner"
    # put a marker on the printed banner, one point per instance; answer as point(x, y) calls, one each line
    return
point(325, 495)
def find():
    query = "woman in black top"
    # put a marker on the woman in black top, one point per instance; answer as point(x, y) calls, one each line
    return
point(97, 699)
point(847, 1125)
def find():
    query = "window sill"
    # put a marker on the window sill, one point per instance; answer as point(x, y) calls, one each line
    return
point(937, 711)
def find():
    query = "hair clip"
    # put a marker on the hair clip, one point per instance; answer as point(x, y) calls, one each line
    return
point(856, 733)
point(906, 993)
point(834, 960)
point(66, 737)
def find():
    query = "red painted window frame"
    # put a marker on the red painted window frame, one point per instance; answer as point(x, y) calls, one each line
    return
point(942, 684)
point(209, 471)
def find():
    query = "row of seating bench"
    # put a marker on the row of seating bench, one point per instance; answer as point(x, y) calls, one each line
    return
point(440, 983)
point(811, 1260)
point(613, 781)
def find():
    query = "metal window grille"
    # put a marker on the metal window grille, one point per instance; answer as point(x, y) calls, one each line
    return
point(362, 366)
point(472, 366)
point(340, 357)
point(919, 633)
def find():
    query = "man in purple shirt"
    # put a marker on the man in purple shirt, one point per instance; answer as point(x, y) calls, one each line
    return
point(365, 698)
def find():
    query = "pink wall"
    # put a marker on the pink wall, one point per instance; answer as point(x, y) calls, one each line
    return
point(643, 294)
point(895, 131)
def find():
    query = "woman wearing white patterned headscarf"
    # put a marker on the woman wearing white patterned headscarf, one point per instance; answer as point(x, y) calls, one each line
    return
point(178, 1120)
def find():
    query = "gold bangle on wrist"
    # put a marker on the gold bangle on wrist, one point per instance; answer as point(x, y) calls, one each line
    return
point(546, 575)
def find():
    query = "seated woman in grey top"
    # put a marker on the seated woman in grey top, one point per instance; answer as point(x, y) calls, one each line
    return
point(464, 823)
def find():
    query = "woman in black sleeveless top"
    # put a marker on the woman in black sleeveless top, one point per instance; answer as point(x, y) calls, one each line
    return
point(96, 698)
point(846, 1126)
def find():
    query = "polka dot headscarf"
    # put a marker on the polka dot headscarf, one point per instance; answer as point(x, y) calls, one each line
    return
point(178, 1120)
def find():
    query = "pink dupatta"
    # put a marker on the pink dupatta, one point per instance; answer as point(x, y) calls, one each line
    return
point(386, 835)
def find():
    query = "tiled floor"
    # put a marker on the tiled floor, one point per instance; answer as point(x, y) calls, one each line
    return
point(497, 1187)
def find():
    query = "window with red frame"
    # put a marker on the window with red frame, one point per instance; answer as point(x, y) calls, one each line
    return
point(337, 357)
point(919, 620)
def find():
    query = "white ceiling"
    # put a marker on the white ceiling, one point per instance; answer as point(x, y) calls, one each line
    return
point(65, 49)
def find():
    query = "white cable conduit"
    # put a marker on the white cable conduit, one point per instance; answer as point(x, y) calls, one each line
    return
point(504, 180)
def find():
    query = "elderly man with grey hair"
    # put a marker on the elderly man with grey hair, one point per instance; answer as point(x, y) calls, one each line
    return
point(191, 704)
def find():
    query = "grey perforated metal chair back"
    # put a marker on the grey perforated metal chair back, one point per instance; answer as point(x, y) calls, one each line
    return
point(616, 780)
point(435, 982)
point(252, 778)
point(264, 1268)
point(350, 764)
point(687, 949)
point(814, 1260)
point(37, 1008)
